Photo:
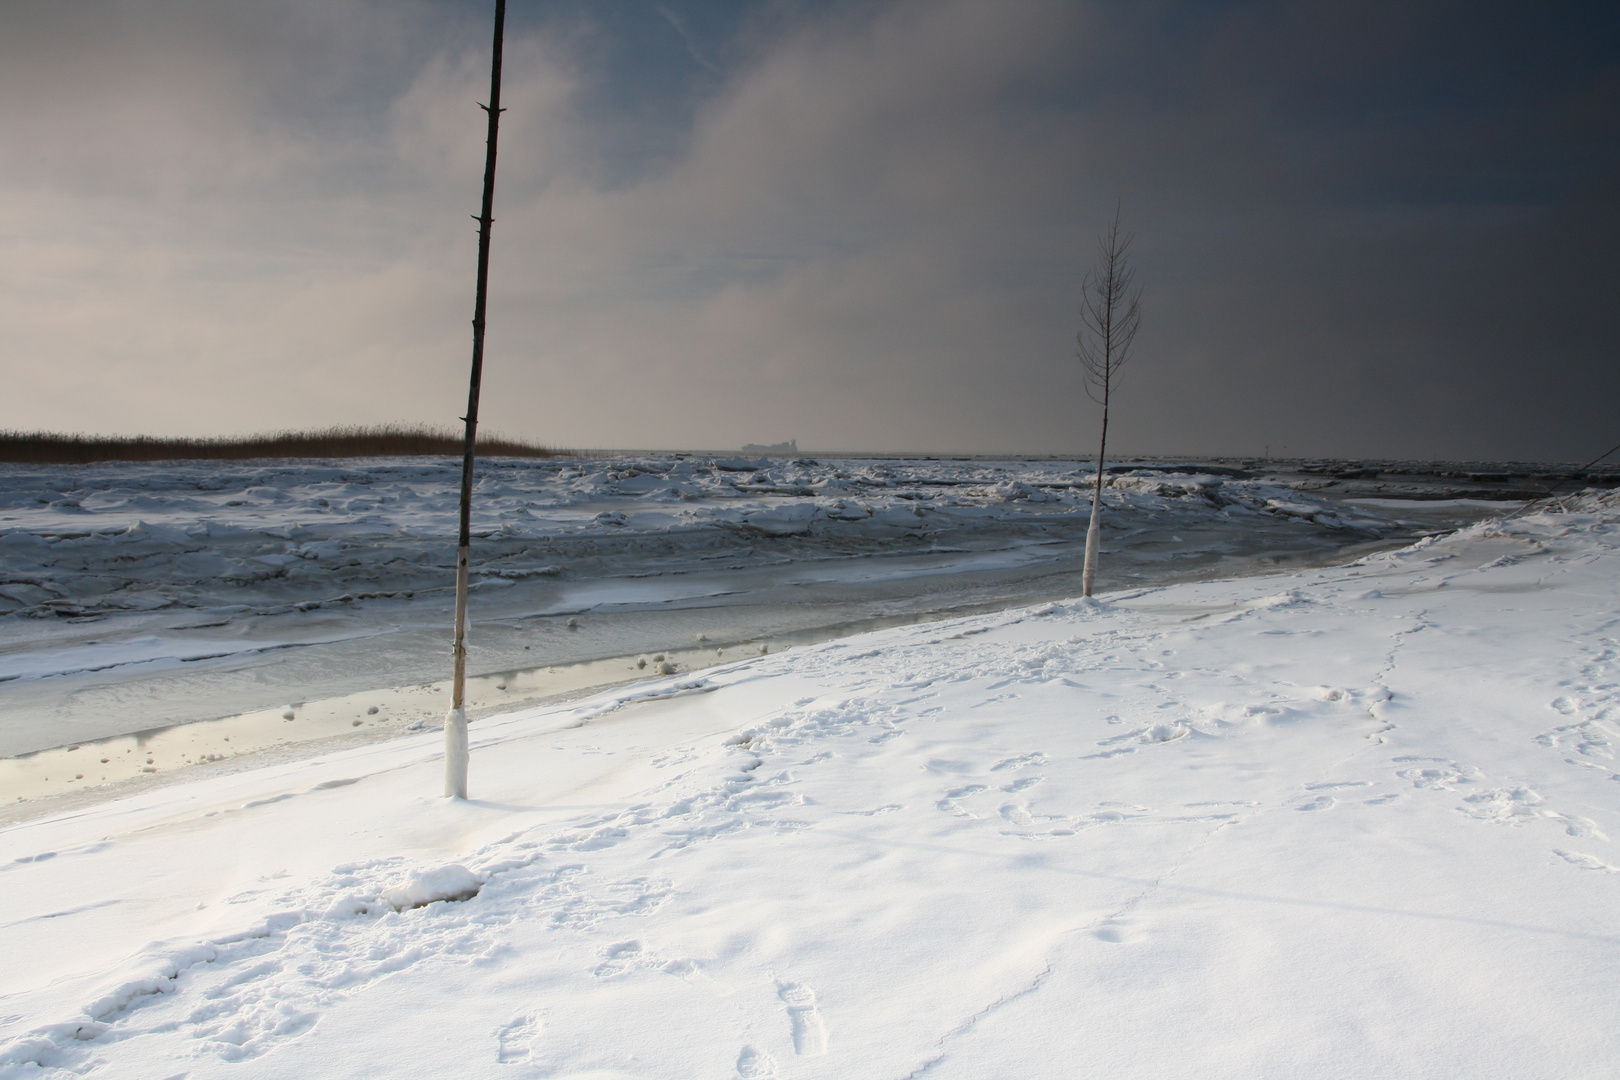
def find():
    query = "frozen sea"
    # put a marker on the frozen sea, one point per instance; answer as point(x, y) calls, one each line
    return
point(139, 596)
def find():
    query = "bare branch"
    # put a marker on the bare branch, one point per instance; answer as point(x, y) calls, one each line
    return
point(1110, 313)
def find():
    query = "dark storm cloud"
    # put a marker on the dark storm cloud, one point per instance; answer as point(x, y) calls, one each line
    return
point(1419, 228)
point(1363, 229)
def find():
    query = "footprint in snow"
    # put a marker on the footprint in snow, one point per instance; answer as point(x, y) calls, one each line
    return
point(1321, 802)
point(951, 802)
point(755, 1064)
point(1161, 733)
point(1436, 773)
point(886, 808)
point(512, 1042)
point(1018, 815)
point(691, 972)
point(1589, 739)
point(619, 958)
point(1507, 806)
point(1110, 814)
point(1585, 861)
point(1036, 758)
point(1514, 806)
point(1116, 932)
point(809, 1033)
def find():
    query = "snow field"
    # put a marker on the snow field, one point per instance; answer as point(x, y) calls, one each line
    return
point(1352, 822)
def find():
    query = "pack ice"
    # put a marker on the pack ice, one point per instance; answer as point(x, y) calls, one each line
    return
point(138, 595)
point(1347, 822)
point(268, 538)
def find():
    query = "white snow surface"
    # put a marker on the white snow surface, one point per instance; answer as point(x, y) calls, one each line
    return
point(1348, 822)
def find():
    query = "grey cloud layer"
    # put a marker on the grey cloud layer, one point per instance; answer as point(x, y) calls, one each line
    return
point(1357, 236)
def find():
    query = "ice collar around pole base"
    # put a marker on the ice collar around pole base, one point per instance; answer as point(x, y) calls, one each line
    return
point(455, 754)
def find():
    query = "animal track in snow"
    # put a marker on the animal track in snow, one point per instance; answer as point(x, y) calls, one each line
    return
point(1320, 802)
point(809, 1033)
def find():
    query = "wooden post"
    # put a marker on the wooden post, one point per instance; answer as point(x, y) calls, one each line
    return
point(455, 724)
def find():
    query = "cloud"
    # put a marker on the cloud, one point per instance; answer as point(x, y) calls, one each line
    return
point(863, 227)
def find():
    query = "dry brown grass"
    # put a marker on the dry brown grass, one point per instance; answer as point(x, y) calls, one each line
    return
point(386, 440)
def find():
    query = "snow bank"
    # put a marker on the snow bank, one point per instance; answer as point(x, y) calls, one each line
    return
point(1351, 822)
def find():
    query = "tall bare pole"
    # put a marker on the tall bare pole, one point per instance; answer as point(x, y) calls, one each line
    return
point(455, 724)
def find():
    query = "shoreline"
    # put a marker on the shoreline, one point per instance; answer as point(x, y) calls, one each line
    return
point(103, 770)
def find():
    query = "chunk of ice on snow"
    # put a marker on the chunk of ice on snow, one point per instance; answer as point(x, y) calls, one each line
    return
point(453, 882)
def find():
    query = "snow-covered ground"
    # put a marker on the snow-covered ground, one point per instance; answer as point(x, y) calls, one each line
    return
point(134, 596)
point(1351, 821)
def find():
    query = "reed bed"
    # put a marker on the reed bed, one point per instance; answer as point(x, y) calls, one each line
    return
point(349, 441)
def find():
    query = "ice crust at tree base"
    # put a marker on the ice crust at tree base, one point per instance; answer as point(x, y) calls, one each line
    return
point(1350, 822)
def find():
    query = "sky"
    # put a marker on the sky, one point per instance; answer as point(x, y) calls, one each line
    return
point(1361, 230)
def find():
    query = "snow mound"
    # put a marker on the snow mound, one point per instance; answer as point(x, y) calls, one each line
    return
point(423, 887)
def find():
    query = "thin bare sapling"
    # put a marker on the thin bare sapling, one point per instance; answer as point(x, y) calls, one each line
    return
point(1110, 315)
